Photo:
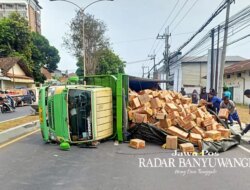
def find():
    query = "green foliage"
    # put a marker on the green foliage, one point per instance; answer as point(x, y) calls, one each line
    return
point(43, 53)
point(16, 40)
point(109, 63)
point(15, 36)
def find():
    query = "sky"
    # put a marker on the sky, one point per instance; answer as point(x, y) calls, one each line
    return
point(133, 26)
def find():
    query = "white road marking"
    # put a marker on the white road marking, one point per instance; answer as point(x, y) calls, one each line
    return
point(243, 148)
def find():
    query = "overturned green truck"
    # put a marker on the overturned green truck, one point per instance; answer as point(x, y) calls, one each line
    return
point(82, 114)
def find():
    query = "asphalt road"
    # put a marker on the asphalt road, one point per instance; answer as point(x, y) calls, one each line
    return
point(19, 112)
point(30, 164)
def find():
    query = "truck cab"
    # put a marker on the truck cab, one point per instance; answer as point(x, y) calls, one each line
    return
point(76, 114)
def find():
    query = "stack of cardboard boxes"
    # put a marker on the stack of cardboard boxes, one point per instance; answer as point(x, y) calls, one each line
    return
point(176, 115)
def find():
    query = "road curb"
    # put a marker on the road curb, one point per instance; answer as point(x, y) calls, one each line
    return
point(17, 131)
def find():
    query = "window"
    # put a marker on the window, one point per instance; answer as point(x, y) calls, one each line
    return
point(228, 76)
point(9, 6)
point(238, 75)
point(21, 7)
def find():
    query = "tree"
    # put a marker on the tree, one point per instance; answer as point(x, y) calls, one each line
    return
point(15, 37)
point(109, 63)
point(16, 40)
point(43, 53)
point(95, 40)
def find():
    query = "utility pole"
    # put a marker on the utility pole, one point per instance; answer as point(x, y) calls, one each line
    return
point(152, 57)
point(224, 51)
point(212, 60)
point(143, 70)
point(166, 36)
point(217, 59)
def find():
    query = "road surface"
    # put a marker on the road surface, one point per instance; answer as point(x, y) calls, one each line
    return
point(19, 112)
point(30, 164)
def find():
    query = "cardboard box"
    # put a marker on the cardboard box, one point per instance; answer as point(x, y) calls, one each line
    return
point(165, 123)
point(186, 100)
point(207, 122)
point(155, 103)
point(187, 147)
point(223, 113)
point(177, 132)
point(194, 138)
point(208, 140)
point(215, 135)
point(171, 142)
point(160, 115)
point(170, 107)
point(225, 133)
point(137, 143)
point(189, 125)
point(135, 103)
point(144, 98)
point(198, 130)
point(131, 114)
point(140, 118)
point(200, 147)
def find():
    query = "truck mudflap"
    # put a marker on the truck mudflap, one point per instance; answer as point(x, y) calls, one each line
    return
point(158, 136)
point(42, 113)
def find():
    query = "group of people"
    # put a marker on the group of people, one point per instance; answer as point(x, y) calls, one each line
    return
point(214, 103)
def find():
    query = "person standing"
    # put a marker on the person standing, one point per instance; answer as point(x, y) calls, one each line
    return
point(247, 94)
point(183, 92)
point(227, 93)
point(203, 94)
point(195, 97)
point(233, 115)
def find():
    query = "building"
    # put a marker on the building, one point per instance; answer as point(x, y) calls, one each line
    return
point(191, 72)
point(47, 74)
point(14, 74)
point(57, 74)
point(29, 9)
point(237, 78)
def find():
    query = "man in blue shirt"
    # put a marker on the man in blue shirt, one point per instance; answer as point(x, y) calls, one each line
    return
point(214, 102)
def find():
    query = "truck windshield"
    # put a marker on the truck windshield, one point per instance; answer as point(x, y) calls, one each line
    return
point(79, 109)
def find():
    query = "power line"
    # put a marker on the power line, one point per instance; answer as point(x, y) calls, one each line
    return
point(139, 61)
point(184, 16)
point(165, 22)
point(178, 13)
point(216, 13)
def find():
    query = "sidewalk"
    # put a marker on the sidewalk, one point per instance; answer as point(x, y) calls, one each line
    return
point(15, 128)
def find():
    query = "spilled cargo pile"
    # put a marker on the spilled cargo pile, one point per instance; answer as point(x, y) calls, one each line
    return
point(178, 117)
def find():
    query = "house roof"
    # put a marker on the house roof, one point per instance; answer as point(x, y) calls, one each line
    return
point(242, 66)
point(195, 59)
point(46, 73)
point(7, 63)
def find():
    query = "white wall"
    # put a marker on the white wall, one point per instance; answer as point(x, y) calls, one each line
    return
point(238, 84)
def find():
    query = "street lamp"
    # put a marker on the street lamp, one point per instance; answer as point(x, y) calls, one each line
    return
point(82, 9)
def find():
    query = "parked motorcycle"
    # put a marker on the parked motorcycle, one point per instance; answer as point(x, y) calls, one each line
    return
point(7, 104)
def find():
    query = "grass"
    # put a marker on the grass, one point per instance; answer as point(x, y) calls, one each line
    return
point(17, 122)
point(243, 112)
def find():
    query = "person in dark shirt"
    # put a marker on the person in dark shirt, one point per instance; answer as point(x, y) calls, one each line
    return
point(214, 102)
point(195, 97)
point(247, 94)
point(203, 95)
point(183, 92)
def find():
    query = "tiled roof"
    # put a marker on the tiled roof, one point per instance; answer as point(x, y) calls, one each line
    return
point(7, 63)
point(241, 66)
